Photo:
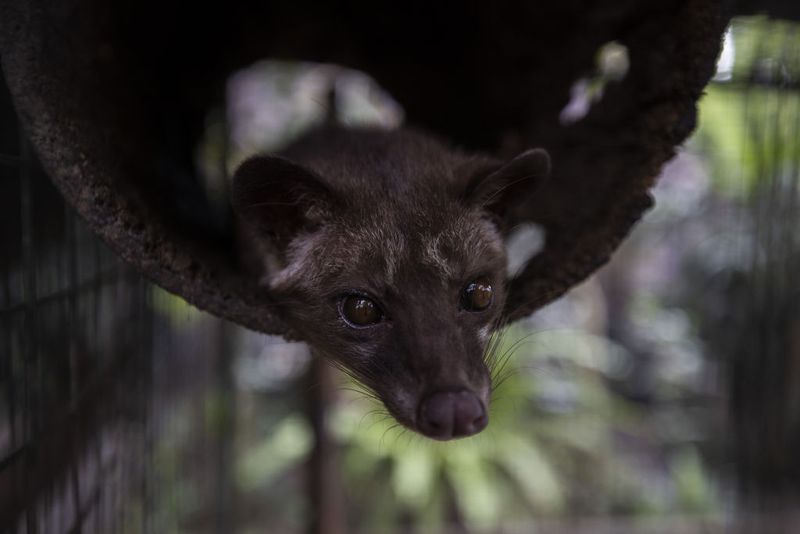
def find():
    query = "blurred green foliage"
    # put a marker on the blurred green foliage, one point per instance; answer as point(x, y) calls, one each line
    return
point(750, 112)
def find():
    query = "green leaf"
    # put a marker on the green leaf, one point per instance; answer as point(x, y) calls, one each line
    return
point(288, 444)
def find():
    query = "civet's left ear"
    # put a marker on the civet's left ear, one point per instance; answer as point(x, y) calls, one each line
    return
point(512, 183)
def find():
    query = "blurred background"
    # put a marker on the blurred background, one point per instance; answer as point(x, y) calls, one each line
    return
point(661, 395)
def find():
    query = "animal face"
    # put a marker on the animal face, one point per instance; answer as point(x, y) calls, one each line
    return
point(398, 276)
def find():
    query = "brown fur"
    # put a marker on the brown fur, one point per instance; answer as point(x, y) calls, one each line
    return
point(402, 218)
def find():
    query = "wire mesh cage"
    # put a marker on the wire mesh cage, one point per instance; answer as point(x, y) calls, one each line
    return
point(71, 319)
point(87, 368)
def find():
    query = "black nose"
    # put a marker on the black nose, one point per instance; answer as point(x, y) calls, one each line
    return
point(452, 414)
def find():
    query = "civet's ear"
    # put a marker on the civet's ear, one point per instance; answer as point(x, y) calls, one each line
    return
point(510, 184)
point(279, 197)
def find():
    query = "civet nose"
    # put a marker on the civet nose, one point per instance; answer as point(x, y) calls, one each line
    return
point(446, 415)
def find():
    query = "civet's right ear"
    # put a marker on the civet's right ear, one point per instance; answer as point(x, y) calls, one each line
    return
point(279, 197)
point(512, 183)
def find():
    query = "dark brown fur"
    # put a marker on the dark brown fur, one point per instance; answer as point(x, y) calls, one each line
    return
point(404, 219)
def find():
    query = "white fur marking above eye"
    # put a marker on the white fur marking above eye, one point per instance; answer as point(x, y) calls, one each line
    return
point(433, 256)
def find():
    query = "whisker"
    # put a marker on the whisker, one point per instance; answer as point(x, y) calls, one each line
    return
point(390, 428)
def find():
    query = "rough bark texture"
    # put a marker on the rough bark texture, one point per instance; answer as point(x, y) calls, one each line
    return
point(114, 99)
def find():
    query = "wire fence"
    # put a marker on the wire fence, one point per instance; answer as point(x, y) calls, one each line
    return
point(82, 350)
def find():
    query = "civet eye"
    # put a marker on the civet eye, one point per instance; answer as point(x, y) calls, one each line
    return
point(477, 296)
point(360, 311)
